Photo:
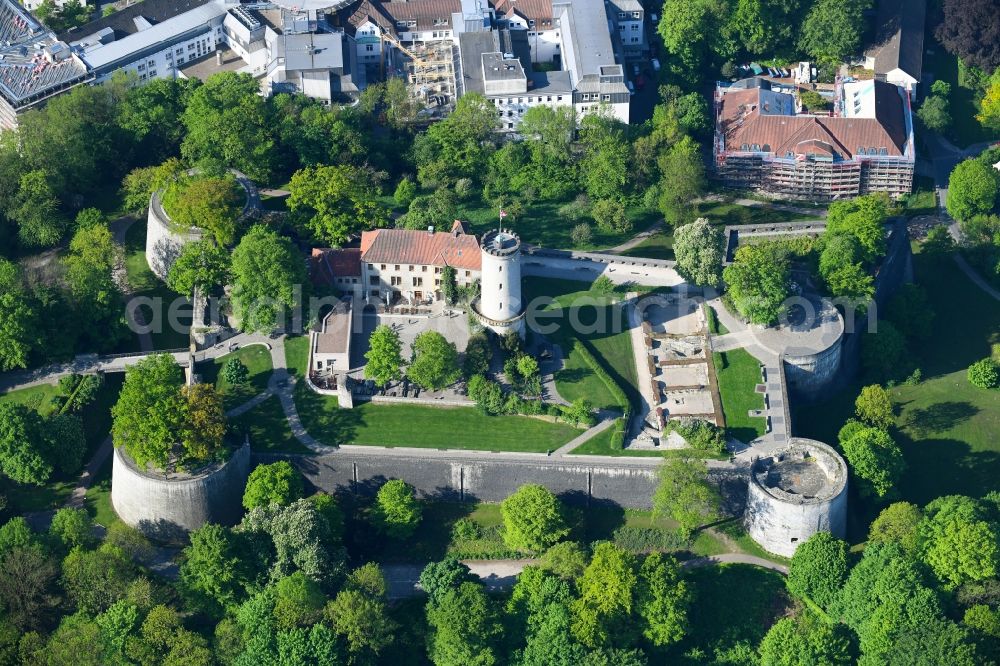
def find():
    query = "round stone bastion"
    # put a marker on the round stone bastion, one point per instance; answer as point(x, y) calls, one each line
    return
point(795, 492)
point(167, 506)
point(165, 238)
point(808, 338)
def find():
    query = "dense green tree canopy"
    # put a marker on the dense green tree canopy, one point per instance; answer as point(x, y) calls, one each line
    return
point(863, 219)
point(228, 124)
point(435, 361)
point(201, 264)
point(150, 410)
point(758, 282)
point(338, 201)
point(685, 494)
point(972, 189)
point(396, 511)
point(277, 483)
point(819, 568)
point(832, 29)
point(208, 202)
point(533, 519)
point(875, 459)
point(608, 587)
point(18, 320)
point(384, 356)
point(269, 278)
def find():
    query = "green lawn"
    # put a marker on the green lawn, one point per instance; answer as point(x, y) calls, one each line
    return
point(723, 213)
point(98, 499)
point(964, 99)
point(949, 430)
point(658, 246)
point(435, 539)
point(144, 283)
point(268, 428)
point(600, 445)
point(41, 398)
point(543, 225)
point(297, 355)
point(425, 427)
point(257, 358)
point(601, 325)
point(739, 373)
point(923, 199)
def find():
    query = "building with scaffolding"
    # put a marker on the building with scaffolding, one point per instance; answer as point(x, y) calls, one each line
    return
point(34, 65)
point(764, 141)
point(287, 48)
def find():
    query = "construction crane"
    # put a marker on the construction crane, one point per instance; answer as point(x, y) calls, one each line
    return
point(432, 65)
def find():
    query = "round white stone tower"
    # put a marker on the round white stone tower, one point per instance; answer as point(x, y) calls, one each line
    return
point(499, 305)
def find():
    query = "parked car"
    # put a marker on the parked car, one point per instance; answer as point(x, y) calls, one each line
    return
point(656, 64)
point(773, 72)
point(785, 73)
point(654, 18)
point(631, 88)
point(635, 70)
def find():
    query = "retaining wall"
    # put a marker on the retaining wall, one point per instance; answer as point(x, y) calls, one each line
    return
point(578, 483)
point(166, 509)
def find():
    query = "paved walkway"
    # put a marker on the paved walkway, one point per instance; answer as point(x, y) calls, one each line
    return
point(607, 419)
point(403, 580)
point(637, 240)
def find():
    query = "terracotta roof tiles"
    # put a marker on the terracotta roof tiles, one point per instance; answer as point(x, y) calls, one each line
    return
point(423, 248)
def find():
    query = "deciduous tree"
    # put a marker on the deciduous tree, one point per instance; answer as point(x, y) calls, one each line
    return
point(818, 568)
point(970, 31)
point(758, 282)
point(972, 189)
point(698, 250)
point(533, 519)
point(435, 361)
point(150, 411)
point(269, 278)
point(602, 613)
point(201, 264)
point(685, 494)
point(875, 459)
point(384, 356)
point(397, 512)
point(277, 483)
point(832, 29)
point(338, 201)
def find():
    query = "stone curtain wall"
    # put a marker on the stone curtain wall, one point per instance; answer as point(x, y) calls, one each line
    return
point(453, 479)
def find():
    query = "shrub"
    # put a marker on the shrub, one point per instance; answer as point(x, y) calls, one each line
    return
point(466, 529)
point(603, 285)
point(405, 192)
point(581, 235)
point(463, 188)
point(984, 374)
point(702, 435)
point(576, 209)
point(478, 354)
point(647, 539)
point(235, 372)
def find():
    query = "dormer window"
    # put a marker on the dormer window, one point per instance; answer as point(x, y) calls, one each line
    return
point(872, 151)
point(766, 147)
point(883, 151)
point(789, 154)
point(755, 147)
point(745, 147)
point(862, 151)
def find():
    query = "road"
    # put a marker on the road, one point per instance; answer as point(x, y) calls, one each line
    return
point(404, 579)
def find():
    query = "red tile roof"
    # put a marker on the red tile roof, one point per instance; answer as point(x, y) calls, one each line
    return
point(424, 12)
point(327, 264)
point(536, 10)
point(423, 248)
point(742, 123)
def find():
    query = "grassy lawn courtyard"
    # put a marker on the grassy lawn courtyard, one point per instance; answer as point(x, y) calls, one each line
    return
point(587, 318)
point(965, 129)
point(144, 283)
point(256, 358)
point(267, 427)
point(738, 374)
point(421, 426)
point(948, 429)
point(297, 355)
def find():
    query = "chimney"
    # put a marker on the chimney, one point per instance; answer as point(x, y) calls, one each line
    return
point(430, 229)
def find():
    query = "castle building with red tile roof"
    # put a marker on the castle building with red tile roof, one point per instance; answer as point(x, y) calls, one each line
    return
point(765, 142)
point(400, 265)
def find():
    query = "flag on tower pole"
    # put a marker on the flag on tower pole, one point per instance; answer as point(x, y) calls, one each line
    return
point(503, 214)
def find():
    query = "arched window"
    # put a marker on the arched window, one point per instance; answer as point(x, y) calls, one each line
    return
point(861, 151)
point(767, 147)
point(883, 151)
point(745, 147)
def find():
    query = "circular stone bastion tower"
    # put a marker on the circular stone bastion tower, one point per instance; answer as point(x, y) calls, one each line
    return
point(499, 305)
point(795, 492)
point(165, 238)
point(167, 506)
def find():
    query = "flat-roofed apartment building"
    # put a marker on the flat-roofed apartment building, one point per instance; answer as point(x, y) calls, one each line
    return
point(34, 65)
point(764, 142)
point(400, 265)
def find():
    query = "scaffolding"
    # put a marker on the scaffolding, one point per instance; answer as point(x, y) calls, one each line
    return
point(429, 67)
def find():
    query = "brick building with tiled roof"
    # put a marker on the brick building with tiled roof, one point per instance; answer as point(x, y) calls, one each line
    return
point(394, 265)
point(764, 142)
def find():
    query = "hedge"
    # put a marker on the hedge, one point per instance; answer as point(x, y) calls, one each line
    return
point(613, 388)
point(648, 539)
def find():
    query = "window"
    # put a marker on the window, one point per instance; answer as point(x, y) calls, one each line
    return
point(467, 273)
point(397, 267)
point(152, 73)
point(862, 151)
point(141, 68)
point(373, 280)
point(500, 287)
point(411, 269)
point(883, 151)
point(151, 63)
point(499, 269)
point(423, 269)
point(373, 266)
point(621, 15)
point(558, 98)
point(369, 47)
point(636, 15)
point(586, 97)
point(190, 47)
point(437, 283)
point(437, 270)
point(510, 125)
point(635, 27)
point(745, 146)
point(418, 282)
point(872, 151)
point(180, 52)
point(607, 98)
point(396, 281)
